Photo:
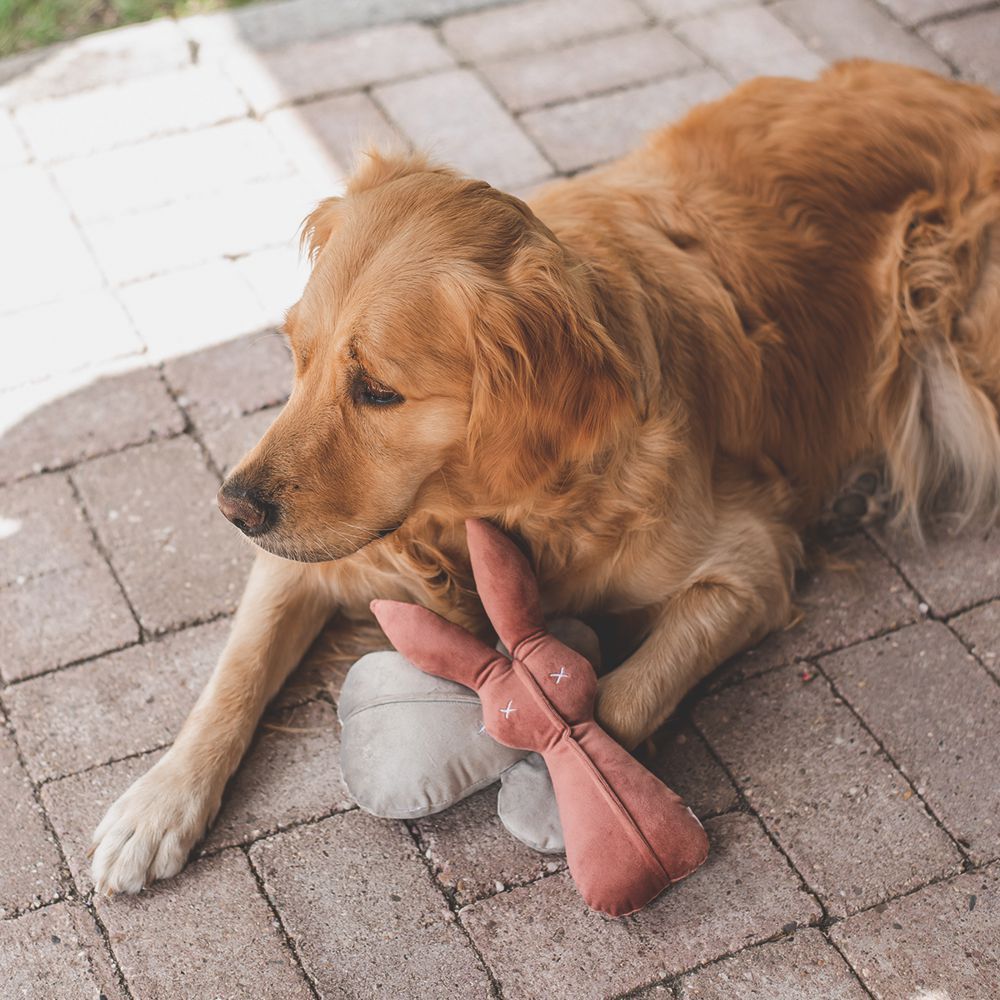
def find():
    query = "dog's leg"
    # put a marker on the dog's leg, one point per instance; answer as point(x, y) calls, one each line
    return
point(148, 833)
point(743, 593)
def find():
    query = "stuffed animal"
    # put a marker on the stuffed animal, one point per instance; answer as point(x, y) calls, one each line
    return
point(412, 744)
point(627, 835)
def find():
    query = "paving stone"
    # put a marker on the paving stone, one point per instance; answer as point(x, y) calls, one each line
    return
point(116, 115)
point(684, 763)
point(851, 593)
point(536, 26)
point(914, 11)
point(187, 310)
point(228, 443)
point(750, 41)
point(31, 872)
point(42, 254)
point(325, 138)
point(803, 967)
point(819, 782)
point(206, 933)
point(108, 414)
point(122, 704)
point(927, 699)
point(941, 942)
point(55, 953)
point(950, 572)
point(744, 893)
point(290, 774)
point(163, 171)
point(264, 26)
point(598, 129)
point(357, 900)
point(589, 67)
point(542, 940)
point(455, 118)
point(971, 44)
point(243, 218)
point(61, 617)
point(41, 530)
point(38, 345)
point(105, 57)
point(277, 277)
point(221, 383)
point(473, 854)
point(309, 68)
point(980, 630)
point(154, 510)
point(12, 148)
point(75, 805)
point(855, 28)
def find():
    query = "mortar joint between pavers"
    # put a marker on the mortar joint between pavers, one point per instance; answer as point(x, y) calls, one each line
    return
point(16, 912)
point(472, 67)
point(620, 88)
point(671, 983)
point(963, 852)
point(280, 924)
point(189, 426)
point(957, 15)
point(106, 938)
point(855, 973)
point(747, 807)
point(105, 555)
point(128, 144)
point(968, 647)
point(453, 907)
point(76, 463)
point(251, 839)
point(470, 62)
point(67, 886)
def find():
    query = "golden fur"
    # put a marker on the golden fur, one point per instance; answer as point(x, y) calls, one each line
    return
point(655, 375)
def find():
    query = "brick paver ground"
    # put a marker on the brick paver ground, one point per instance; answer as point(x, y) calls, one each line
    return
point(151, 182)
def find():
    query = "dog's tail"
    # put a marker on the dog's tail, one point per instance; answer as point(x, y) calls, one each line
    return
point(936, 394)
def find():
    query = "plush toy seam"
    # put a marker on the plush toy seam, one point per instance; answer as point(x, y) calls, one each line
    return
point(638, 837)
point(411, 700)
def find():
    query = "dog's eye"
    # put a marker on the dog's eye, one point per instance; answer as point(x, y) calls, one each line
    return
point(368, 392)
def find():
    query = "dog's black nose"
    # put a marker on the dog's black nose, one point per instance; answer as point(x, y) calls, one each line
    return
point(246, 508)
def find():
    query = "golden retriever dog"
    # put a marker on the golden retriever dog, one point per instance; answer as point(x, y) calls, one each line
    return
point(655, 374)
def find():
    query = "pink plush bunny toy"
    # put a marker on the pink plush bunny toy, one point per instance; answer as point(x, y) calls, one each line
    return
point(627, 835)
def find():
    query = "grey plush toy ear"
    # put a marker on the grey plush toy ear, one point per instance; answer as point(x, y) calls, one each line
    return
point(410, 743)
point(526, 805)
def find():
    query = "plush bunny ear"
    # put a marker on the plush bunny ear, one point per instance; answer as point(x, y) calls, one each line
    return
point(505, 583)
point(433, 644)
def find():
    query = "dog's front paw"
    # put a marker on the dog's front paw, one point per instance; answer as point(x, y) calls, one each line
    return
point(149, 832)
point(619, 710)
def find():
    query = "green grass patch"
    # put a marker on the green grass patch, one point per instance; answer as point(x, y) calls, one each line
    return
point(27, 24)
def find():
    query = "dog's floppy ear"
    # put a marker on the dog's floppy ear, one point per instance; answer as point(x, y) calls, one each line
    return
point(550, 386)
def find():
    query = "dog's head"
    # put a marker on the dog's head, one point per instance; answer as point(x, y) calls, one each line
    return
point(448, 354)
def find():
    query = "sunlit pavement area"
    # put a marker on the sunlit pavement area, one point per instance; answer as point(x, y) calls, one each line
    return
point(151, 182)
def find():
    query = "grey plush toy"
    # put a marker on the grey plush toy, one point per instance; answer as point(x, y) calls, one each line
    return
point(413, 744)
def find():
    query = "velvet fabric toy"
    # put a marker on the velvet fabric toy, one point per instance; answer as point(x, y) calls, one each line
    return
point(627, 835)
